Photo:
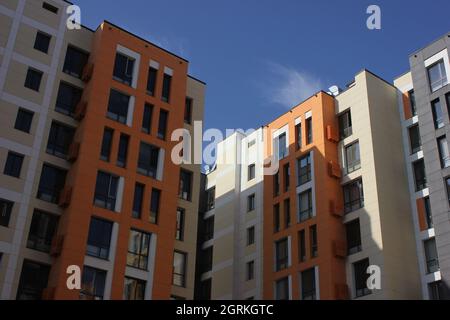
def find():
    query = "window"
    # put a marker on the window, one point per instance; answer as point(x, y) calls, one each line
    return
point(437, 75)
point(345, 125)
point(138, 249)
point(436, 290)
point(431, 255)
point(188, 110)
point(208, 229)
point(250, 236)
point(287, 176)
point(276, 184)
point(42, 42)
point(352, 158)
point(151, 81)
point(251, 203)
point(137, 200)
point(412, 102)
point(313, 241)
point(447, 182)
point(118, 106)
point(42, 230)
point(251, 143)
point(179, 268)
point(309, 132)
point(353, 196)
point(23, 120)
point(99, 239)
point(276, 218)
point(123, 69)
point(162, 124)
point(106, 190)
point(13, 165)
point(211, 195)
point(51, 183)
point(59, 140)
point(68, 99)
point(308, 283)
point(49, 7)
point(419, 175)
point(353, 232)
point(360, 278)
point(304, 169)
point(147, 119)
point(75, 62)
point(167, 82)
point(5, 212)
point(282, 148)
point(287, 213)
point(206, 260)
point(281, 254)
point(106, 144)
point(33, 280)
point(185, 190)
point(123, 151)
point(148, 160)
point(251, 172)
point(250, 272)
point(282, 289)
point(92, 284)
point(438, 115)
point(179, 234)
point(298, 136)
point(302, 246)
point(33, 79)
point(444, 154)
point(134, 289)
point(428, 214)
point(155, 205)
point(414, 139)
point(305, 206)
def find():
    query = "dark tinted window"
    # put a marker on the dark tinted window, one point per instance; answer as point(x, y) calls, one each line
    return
point(118, 106)
point(162, 125)
point(148, 160)
point(13, 165)
point(68, 98)
point(123, 150)
point(33, 79)
point(155, 205)
point(75, 61)
point(147, 118)
point(106, 144)
point(59, 139)
point(185, 189)
point(308, 283)
point(188, 110)
point(42, 230)
point(345, 125)
point(93, 284)
point(353, 237)
point(33, 280)
point(51, 183)
point(99, 239)
point(361, 276)
point(5, 212)
point(106, 190)
point(23, 120)
point(137, 200)
point(151, 82)
point(353, 196)
point(42, 42)
point(123, 69)
point(167, 83)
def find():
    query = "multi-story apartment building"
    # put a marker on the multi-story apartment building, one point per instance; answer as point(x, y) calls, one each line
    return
point(424, 104)
point(87, 176)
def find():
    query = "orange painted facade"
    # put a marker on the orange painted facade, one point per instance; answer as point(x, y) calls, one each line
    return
point(328, 203)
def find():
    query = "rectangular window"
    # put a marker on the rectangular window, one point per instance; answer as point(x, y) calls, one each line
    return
point(437, 75)
point(286, 176)
point(345, 125)
point(250, 236)
point(47, 6)
point(106, 144)
point(287, 213)
point(282, 148)
point(308, 283)
point(438, 114)
point(42, 42)
point(302, 246)
point(206, 262)
point(428, 214)
point(162, 124)
point(42, 230)
point(420, 177)
point(298, 136)
point(352, 157)
point(151, 81)
point(444, 154)
point(148, 160)
point(304, 169)
point(188, 110)
point(138, 249)
point(23, 120)
point(118, 106)
point(353, 232)
point(353, 196)
point(250, 272)
point(414, 139)
point(179, 231)
point(123, 151)
point(68, 98)
point(106, 190)
point(134, 289)
point(59, 140)
point(137, 200)
point(251, 144)
point(309, 131)
point(33, 79)
point(436, 290)
point(75, 61)
point(208, 229)
point(123, 69)
point(155, 205)
point(185, 188)
point(276, 184)
point(13, 165)
point(179, 269)
point(51, 183)
point(33, 280)
point(92, 284)
point(305, 206)
point(360, 277)
point(251, 203)
point(211, 198)
point(147, 118)
point(251, 172)
point(99, 239)
point(276, 218)
point(281, 254)
point(431, 255)
point(412, 102)
point(167, 83)
point(282, 289)
point(5, 212)
point(313, 241)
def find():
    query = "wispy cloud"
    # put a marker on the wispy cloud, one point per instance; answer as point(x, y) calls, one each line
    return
point(287, 86)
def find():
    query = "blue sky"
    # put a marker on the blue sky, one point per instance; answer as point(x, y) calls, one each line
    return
point(261, 57)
